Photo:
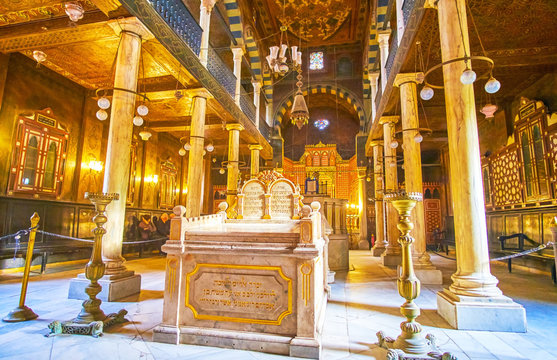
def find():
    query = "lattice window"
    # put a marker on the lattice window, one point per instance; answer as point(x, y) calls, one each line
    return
point(507, 188)
point(316, 60)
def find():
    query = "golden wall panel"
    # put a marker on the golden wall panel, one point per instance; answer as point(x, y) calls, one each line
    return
point(531, 227)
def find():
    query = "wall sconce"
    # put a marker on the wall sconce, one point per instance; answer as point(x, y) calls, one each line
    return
point(96, 166)
point(152, 179)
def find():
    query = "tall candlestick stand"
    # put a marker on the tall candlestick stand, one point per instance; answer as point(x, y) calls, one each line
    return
point(411, 343)
point(92, 320)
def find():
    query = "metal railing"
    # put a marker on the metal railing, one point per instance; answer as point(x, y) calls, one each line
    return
point(221, 72)
point(407, 8)
point(392, 53)
point(264, 128)
point(246, 104)
point(178, 17)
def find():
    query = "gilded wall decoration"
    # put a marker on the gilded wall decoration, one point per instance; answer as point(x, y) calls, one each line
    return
point(313, 19)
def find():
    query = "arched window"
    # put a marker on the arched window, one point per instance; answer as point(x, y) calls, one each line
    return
point(50, 166)
point(31, 155)
point(324, 159)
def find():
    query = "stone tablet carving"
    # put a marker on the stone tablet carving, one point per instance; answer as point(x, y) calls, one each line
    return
point(282, 199)
point(254, 200)
point(239, 293)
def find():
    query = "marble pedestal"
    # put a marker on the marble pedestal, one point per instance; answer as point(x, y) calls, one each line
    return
point(391, 259)
point(114, 287)
point(377, 251)
point(427, 276)
point(363, 245)
point(338, 252)
point(480, 313)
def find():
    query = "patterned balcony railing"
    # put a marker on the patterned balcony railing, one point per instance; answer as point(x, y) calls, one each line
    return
point(264, 129)
point(221, 72)
point(392, 53)
point(407, 8)
point(178, 17)
point(246, 104)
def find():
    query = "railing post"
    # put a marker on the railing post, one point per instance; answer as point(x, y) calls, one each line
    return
point(22, 312)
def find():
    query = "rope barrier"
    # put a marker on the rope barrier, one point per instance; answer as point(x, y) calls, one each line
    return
point(511, 256)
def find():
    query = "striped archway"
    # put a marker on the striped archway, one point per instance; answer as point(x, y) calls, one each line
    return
point(235, 20)
point(373, 45)
point(342, 93)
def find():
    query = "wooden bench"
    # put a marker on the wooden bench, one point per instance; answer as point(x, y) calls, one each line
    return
point(523, 239)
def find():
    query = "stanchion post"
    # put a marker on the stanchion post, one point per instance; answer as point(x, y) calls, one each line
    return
point(22, 312)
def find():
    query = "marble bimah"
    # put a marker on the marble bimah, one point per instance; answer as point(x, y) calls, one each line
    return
point(257, 282)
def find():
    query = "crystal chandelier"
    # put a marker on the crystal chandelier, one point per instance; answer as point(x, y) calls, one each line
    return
point(277, 60)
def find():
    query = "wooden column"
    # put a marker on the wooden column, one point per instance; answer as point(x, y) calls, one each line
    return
point(206, 7)
point(254, 163)
point(195, 161)
point(117, 168)
point(380, 239)
point(473, 301)
point(232, 167)
point(238, 52)
point(392, 254)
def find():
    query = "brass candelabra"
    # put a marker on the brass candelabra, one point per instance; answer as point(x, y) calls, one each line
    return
point(92, 320)
point(411, 340)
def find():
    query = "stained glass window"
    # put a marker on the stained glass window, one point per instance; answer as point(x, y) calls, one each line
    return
point(316, 60)
point(321, 124)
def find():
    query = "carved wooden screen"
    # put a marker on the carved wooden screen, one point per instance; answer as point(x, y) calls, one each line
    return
point(167, 195)
point(552, 149)
point(432, 212)
point(530, 136)
point(507, 187)
point(39, 155)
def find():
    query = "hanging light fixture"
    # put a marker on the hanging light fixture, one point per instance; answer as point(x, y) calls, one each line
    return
point(182, 152)
point(210, 147)
point(489, 110)
point(142, 110)
point(102, 115)
point(277, 59)
point(492, 85)
point(138, 120)
point(299, 114)
point(39, 57)
point(187, 146)
point(74, 10)
point(145, 135)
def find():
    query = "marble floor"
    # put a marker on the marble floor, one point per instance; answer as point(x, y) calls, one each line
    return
point(363, 301)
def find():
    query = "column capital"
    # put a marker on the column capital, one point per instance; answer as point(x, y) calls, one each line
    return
point(234, 126)
point(207, 5)
point(362, 172)
point(376, 143)
point(383, 37)
point(255, 147)
point(416, 78)
point(131, 25)
point(238, 52)
point(389, 119)
point(256, 85)
point(373, 76)
point(201, 92)
point(430, 4)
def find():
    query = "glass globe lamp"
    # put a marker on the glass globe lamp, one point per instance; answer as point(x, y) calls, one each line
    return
point(492, 85)
point(468, 76)
point(102, 115)
point(210, 147)
point(182, 152)
point(221, 171)
point(138, 121)
point(187, 146)
point(142, 110)
point(103, 103)
point(426, 93)
point(393, 144)
point(418, 138)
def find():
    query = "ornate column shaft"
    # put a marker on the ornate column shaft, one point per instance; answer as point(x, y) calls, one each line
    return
point(232, 167)
point(238, 53)
point(195, 160)
point(425, 270)
point(472, 280)
point(207, 206)
point(380, 239)
point(254, 164)
point(392, 254)
point(383, 39)
point(206, 7)
point(117, 168)
point(256, 100)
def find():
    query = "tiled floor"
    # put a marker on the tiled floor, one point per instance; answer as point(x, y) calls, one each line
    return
point(363, 301)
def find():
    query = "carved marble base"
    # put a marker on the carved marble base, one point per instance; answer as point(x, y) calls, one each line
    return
point(391, 259)
point(430, 276)
point(481, 313)
point(377, 250)
point(113, 288)
point(94, 328)
point(426, 344)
